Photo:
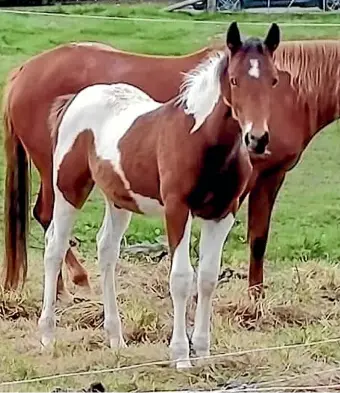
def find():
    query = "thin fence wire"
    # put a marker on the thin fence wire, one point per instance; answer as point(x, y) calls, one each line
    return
point(163, 20)
point(167, 362)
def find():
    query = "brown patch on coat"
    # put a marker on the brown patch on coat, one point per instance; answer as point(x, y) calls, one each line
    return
point(110, 183)
point(76, 185)
point(74, 176)
point(143, 170)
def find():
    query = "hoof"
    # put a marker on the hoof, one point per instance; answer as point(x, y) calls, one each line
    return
point(117, 343)
point(180, 355)
point(182, 364)
point(46, 326)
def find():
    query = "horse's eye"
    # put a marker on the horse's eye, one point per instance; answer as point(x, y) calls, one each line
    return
point(233, 81)
point(275, 82)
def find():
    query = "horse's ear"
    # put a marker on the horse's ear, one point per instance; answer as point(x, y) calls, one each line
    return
point(273, 38)
point(234, 42)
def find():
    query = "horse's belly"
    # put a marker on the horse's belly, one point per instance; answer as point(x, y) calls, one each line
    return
point(147, 205)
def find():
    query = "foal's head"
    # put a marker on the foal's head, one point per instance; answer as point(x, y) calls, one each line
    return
point(252, 77)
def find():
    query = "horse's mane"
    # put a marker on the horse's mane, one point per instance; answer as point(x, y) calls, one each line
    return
point(313, 67)
point(200, 88)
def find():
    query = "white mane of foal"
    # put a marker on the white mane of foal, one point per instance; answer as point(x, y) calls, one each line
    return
point(201, 90)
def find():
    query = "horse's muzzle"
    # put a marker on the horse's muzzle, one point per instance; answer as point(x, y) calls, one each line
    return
point(256, 144)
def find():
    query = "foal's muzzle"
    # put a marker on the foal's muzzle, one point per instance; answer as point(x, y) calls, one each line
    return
point(256, 144)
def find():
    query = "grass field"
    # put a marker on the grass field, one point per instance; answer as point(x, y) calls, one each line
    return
point(302, 274)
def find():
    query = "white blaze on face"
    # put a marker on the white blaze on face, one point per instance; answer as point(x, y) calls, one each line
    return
point(254, 69)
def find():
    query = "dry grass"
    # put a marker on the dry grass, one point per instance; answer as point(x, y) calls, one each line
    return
point(300, 305)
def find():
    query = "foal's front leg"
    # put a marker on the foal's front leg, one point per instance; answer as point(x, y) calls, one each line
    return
point(213, 235)
point(178, 221)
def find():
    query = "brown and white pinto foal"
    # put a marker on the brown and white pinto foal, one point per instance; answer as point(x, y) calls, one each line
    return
point(178, 159)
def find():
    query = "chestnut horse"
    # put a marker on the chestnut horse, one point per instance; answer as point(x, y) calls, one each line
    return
point(304, 102)
point(68, 69)
point(178, 159)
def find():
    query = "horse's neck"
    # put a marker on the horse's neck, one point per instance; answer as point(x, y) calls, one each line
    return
point(218, 131)
point(315, 72)
point(324, 104)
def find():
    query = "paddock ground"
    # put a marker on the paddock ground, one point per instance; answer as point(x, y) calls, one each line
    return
point(302, 273)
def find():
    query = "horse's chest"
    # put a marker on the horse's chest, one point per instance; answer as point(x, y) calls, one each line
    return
point(217, 185)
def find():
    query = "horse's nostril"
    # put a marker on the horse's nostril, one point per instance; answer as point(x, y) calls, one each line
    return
point(265, 138)
point(246, 139)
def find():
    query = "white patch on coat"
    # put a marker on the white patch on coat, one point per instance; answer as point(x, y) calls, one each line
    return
point(254, 69)
point(109, 111)
point(201, 90)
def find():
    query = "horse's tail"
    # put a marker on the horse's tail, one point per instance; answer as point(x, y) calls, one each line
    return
point(16, 204)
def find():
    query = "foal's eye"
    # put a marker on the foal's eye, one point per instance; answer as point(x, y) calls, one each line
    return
point(233, 81)
point(275, 82)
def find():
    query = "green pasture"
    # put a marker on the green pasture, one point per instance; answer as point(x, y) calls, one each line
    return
point(305, 223)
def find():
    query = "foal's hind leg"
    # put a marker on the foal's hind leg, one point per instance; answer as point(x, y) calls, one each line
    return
point(56, 244)
point(109, 238)
point(42, 212)
point(213, 235)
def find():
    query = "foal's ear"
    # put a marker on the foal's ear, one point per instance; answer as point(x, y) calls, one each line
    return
point(234, 42)
point(273, 38)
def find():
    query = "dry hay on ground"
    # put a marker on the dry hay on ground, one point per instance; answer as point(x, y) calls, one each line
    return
point(300, 305)
point(306, 296)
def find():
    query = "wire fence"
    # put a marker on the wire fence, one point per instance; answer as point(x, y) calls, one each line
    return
point(162, 20)
point(200, 358)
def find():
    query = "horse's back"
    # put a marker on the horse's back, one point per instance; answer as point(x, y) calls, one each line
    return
point(107, 111)
point(89, 133)
point(97, 104)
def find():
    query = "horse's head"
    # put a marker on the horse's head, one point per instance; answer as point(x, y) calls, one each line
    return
point(252, 77)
